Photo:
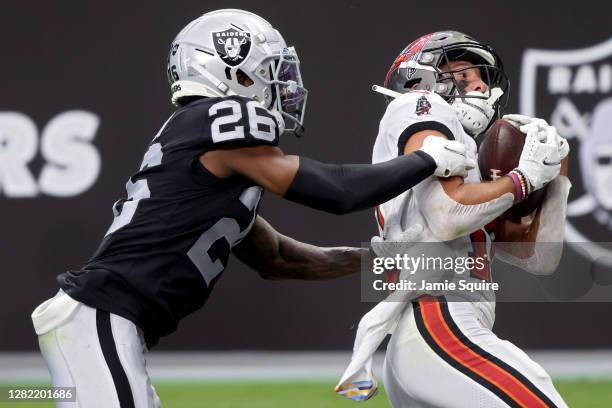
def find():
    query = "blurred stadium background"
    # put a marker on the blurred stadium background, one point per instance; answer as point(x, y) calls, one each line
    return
point(84, 90)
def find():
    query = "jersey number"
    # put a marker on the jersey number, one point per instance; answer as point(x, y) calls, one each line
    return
point(229, 113)
point(136, 191)
point(225, 233)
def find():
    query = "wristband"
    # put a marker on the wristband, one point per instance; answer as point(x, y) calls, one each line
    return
point(525, 181)
point(519, 185)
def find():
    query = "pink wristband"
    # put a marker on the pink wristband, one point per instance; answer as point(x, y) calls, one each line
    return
point(517, 185)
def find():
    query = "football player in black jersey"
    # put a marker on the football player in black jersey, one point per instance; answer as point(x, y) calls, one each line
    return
point(195, 197)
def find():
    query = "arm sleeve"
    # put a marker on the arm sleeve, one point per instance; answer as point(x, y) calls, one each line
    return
point(342, 189)
point(549, 240)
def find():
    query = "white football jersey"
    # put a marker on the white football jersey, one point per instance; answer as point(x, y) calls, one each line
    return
point(412, 112)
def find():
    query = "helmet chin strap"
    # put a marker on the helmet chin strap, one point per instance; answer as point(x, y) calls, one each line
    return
point(475, 114)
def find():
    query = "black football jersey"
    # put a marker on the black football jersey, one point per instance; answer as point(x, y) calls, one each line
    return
point(172, 235)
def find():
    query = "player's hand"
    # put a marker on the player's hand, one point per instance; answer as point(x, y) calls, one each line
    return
point(540, 160)
point(395, 241)
point(564, 148)
point(450, 156)
point(521, 120)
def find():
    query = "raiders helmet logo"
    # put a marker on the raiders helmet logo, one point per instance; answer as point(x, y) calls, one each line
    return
point(232, 45)
point(423, 106)
point(572, 90)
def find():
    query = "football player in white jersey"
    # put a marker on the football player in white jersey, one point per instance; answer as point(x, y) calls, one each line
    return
point(443, 352)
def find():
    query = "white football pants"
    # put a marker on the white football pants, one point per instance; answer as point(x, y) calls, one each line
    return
point(99, 353)
point(442, 355)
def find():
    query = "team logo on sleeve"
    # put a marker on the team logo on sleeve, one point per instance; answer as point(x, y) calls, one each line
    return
point(572, 90)
point(232, 46)
point(423, 106)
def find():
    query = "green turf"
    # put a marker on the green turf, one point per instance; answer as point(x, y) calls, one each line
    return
point(578, 394)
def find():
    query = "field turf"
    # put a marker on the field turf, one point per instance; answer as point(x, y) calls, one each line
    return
point(578, 394)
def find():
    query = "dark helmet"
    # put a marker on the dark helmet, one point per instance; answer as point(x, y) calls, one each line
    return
point(418, 67)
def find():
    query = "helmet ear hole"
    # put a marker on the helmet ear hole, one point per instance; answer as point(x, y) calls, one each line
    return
point(243, 79)
point(411, 83)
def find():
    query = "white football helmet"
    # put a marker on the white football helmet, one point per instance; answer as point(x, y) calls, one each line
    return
point(234, 52)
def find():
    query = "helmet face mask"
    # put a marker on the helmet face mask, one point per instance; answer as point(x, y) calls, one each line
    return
point(288, 92)
point(491, 71)
point(426, 64)
point(234, 52)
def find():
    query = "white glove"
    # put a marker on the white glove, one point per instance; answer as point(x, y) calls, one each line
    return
point(540, 160)
point(450, 156)
point(564, 148)
point(395, 240)
point(520, 120)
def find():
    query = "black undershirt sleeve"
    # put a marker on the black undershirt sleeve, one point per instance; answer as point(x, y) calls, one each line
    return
point(342, 189)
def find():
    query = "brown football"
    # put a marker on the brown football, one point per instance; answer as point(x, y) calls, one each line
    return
point(499, 152)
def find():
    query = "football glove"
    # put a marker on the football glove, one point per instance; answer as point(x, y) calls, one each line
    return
point(540, 160)
point(520, 120)
point(395, 241)
point(450, 156)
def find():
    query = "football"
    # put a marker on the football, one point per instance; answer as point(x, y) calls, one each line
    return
point(499, 152)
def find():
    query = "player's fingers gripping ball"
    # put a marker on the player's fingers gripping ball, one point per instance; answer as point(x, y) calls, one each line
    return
point(564, 148)
point(501, 149)
point(520, 120)
point(539, 160)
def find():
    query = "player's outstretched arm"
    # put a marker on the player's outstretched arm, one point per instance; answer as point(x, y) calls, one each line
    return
point(276, 256)
point(336, 188)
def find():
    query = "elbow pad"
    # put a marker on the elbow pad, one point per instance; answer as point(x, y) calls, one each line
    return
point(448, 219)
